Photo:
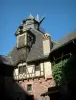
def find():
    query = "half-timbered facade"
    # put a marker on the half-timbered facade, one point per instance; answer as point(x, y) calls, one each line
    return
point(30, 56)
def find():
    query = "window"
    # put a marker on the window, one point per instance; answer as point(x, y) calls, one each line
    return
point(22, 69)
point(29, 87)
point(37, 66)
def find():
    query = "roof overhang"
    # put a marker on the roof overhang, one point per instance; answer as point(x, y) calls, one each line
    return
point(68, 46)
point(6, 60)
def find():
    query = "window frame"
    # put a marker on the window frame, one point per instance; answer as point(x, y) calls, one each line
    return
point(29, 87)
point(23, 67)
point(20, 71)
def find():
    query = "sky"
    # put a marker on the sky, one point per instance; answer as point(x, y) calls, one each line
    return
point(60, 18)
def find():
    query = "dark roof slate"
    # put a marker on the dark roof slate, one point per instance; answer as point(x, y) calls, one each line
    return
point(6, 60)
point(37, 48)
point(18, 55)
point(35, 53)
point(71, 36)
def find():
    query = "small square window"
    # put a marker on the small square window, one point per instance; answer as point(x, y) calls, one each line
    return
point(29, 87)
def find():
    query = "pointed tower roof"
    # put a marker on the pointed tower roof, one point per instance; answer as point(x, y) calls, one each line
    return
point(30, 17)
point(37, 19)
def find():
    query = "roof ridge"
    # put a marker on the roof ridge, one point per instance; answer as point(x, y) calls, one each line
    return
point(67, 35)
point(54, 41)
point(37, 31)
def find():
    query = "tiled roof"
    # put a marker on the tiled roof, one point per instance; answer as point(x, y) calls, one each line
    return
point(35, 53)
point(18, 55)
point(71, 36)
point(37, 48)
point(6, 60)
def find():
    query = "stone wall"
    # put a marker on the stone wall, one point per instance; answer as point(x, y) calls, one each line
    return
point(39, 86)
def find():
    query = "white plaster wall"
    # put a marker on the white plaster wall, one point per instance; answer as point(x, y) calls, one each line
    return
point(46, 47)
point(16, 71)
point(41, 66)
point(37, 73)
point(48, 70)
point(30, 69)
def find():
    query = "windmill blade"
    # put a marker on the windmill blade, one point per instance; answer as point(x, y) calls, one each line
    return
point(42, 19)
point(37, 17)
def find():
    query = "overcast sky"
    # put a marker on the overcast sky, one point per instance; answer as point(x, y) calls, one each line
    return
point(60, 18)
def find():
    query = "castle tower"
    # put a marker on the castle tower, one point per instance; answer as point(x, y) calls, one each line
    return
point(30, 55)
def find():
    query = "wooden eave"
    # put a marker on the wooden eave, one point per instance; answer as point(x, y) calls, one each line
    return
point(63, 50)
